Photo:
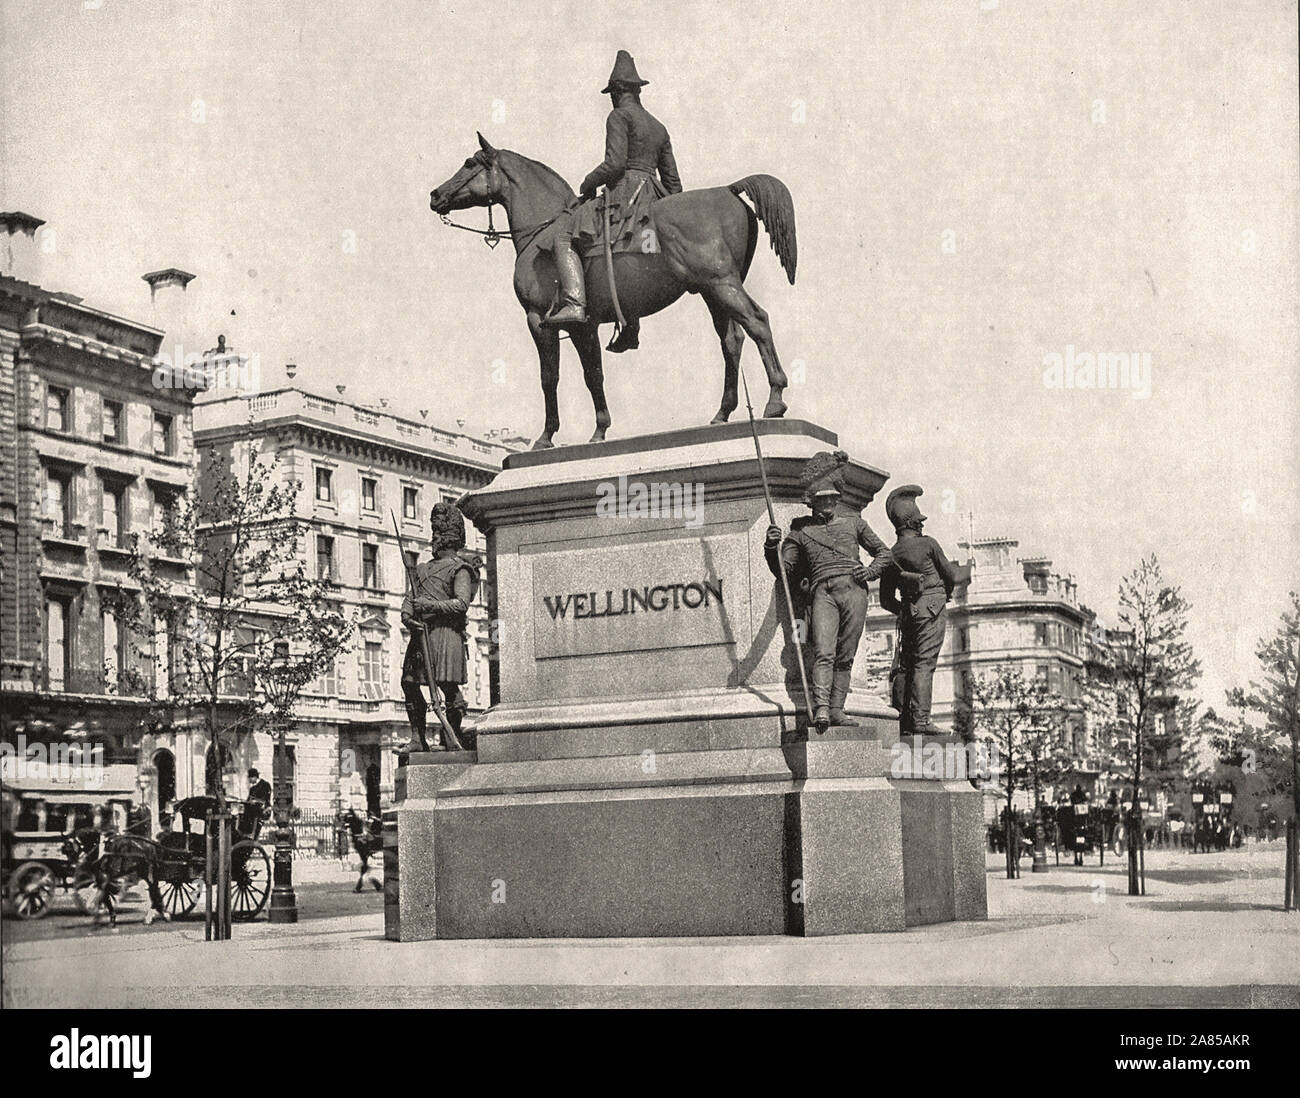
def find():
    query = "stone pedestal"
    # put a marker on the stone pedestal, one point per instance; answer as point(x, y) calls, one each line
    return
point(645, 771)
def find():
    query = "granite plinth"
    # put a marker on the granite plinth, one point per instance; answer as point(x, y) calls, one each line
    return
point(798, 838)
point(646, 768)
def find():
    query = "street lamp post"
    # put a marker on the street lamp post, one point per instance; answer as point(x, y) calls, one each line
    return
point(280, 691)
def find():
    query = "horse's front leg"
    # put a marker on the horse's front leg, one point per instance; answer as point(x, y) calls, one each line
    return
point(548, 356)
point(586, 341)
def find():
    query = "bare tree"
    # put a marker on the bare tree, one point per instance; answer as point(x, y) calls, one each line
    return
point(1151, 668)
point(241, 541)
point(1022, 722)
point(1272, 747)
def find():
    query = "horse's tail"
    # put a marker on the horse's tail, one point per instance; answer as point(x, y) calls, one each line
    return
point(775, 209)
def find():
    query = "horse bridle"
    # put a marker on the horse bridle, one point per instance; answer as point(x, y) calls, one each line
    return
point(492, 236)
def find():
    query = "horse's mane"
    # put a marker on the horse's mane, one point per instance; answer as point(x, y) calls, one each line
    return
point(545, 168)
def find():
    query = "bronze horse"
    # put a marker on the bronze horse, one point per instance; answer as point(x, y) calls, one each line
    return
point(699, 241)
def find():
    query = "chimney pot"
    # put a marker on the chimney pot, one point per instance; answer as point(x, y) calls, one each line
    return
point(21, 254)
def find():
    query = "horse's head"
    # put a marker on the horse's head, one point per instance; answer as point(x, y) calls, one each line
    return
point(478, 183)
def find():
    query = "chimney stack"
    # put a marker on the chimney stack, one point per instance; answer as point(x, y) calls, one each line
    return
point(171, 314)
point(20, 250)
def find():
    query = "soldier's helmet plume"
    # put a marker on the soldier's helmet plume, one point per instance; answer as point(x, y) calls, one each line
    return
point(447, 527)
point(824, 472)
point(901, 506)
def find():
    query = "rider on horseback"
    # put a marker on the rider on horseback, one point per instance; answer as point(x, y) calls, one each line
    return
point(636, 146)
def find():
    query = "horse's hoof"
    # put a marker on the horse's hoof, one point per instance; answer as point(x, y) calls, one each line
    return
point(775, 409)
point(377, 886)
point(543, 444)
point(598, 435)
point(719, 418)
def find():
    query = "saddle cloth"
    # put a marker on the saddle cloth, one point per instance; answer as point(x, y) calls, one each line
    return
point(629, 216)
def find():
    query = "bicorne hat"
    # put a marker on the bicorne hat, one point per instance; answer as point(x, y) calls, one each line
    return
point(901, 506)
point(624, 73)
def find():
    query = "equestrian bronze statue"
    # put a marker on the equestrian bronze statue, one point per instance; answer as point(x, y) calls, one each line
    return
point(643, 244)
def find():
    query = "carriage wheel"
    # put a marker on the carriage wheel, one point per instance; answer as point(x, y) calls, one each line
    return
point(31, 888)
point(250, 880)
point(179, 898)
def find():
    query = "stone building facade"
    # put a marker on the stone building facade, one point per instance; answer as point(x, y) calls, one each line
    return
point(94, 453)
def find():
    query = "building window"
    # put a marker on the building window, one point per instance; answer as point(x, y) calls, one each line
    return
point(1040, 632)
point(162, 512)
point(113, 646)
point(163, 442)
point(369, 494)
point(372, 664)
point(324, 558)
point(324, 485)
point(112, 513)
point(327, 682)
point(56, 410)
point(963, 639)
point(163, 656)
point(58, 502)
point(58, 642)
point(370, 567)
point(410, 504)
point(113, 422)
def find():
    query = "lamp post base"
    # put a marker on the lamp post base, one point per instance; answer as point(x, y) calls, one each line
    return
point(284, 904)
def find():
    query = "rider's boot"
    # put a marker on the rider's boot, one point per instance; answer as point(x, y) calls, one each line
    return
point(628, 339)
point(573, 290)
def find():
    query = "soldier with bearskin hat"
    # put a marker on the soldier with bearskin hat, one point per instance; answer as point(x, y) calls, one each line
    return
point(919, 604)
point(444, 587)
point(820, 556)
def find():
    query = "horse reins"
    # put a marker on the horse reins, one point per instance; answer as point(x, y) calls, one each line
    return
point(492, 235)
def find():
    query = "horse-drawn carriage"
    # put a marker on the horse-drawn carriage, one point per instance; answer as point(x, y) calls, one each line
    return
point(40, 854)
point(182, 852)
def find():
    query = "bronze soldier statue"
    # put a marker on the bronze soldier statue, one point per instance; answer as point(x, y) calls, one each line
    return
point(916, 587)
point(443, 589)
point(821, 558)
point(636, 146)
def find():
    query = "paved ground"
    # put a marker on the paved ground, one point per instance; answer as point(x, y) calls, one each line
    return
point(1210, 932)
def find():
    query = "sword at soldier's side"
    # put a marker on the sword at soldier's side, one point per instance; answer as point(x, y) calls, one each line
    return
point(785, 580)
point(449, 738)
point(609, 263)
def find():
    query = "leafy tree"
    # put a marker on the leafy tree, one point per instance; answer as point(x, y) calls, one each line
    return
point(247, 600)
point(1022, 722)
point(1152, 667)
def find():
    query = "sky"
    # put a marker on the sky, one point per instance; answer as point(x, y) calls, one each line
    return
point(979, 185)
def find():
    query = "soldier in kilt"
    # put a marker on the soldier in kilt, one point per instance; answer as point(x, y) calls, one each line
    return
point(444, 587)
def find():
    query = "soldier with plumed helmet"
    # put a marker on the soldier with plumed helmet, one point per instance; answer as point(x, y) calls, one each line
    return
point(919, 606)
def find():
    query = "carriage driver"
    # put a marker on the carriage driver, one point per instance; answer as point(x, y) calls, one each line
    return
point(636, 146)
